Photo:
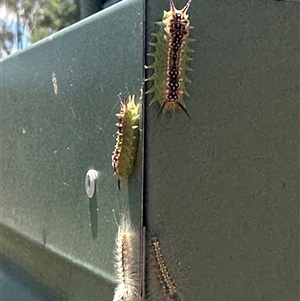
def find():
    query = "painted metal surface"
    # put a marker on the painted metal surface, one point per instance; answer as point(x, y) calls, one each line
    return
point(223, 188)
point(58, 104)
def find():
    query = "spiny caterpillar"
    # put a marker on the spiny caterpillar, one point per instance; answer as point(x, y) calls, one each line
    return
point(171, 56)
point(163, 274)
point(124, 154)
point(126, 266)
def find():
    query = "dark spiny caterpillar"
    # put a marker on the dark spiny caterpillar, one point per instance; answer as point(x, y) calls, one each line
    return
point(168, 285)
point(123, 157)
point(171, 57)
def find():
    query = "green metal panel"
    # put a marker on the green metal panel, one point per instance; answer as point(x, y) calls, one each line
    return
point(224, 186)
point(50, 138)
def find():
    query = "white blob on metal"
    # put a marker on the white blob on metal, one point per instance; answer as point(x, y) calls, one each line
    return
point(90, 182)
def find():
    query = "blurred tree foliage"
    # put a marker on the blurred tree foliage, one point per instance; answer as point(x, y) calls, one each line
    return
point(16, 18)
point(31, 20)
point(53, 16)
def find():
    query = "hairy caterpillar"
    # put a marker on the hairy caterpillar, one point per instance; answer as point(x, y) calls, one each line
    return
point(168, 285)
point(126, 265)
point(171, 56)
point(124, 154)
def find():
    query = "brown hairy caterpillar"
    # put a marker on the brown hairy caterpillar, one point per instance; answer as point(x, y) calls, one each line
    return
point(126, 266)
point(124, 154)
point(171, 56)
point(168, 285)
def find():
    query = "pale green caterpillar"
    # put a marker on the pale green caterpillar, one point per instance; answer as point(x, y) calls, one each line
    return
point(170, 60)
point(124, 154)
